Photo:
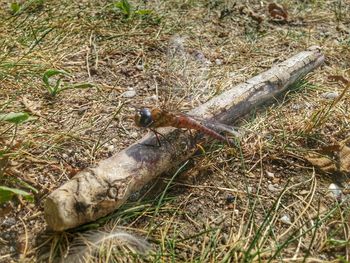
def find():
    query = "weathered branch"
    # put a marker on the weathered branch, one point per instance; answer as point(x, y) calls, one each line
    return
point(98, 191)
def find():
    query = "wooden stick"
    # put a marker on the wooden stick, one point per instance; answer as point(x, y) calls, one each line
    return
point(98, 191)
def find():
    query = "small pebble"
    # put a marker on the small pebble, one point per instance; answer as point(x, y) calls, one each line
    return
point(110, 148)
point(270, 175)
point(330, 95)
point(286, 219)
point(199, 56)
point(335, 190)
point(272, 188)
point(140, 67)
point(218, 61)
point(129, 94)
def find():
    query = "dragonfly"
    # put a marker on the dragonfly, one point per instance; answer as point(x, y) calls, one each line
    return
point(156, 118)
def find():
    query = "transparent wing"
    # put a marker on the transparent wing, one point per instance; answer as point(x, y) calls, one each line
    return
point(219, 127)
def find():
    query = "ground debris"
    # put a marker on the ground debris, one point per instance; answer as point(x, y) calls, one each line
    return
point(278, 12)
point(333, 159)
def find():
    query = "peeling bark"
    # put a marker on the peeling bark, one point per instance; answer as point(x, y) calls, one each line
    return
point(98, 191)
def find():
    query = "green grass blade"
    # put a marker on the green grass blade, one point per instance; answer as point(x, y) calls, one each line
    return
point(6, 194)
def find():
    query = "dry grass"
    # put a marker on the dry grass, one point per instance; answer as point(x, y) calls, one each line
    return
point(224, 206)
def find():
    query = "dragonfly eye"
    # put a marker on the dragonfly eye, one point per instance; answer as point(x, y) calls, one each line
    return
point(145, 117)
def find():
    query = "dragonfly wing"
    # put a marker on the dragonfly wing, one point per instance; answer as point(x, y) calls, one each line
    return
point(219, 127)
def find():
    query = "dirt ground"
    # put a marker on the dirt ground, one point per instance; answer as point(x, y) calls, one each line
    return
point(270, 200)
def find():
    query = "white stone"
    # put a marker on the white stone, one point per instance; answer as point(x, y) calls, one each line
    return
point(272, 188)
point(286, 219)
point(335, 190)
point(140, 67)
point(330, 95)
point(129, 94)
point(270, 175)
point(110, 147)
point(218, 61)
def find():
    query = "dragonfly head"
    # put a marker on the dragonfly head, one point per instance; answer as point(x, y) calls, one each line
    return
point(143, 117)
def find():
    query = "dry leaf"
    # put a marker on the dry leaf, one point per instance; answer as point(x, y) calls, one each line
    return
point(323, 163)
point(329, 148)
point(277, 12)
point(332, 159)
point(72, 171)
point(338, 78)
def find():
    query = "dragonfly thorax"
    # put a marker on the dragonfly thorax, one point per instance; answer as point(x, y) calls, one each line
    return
point(143, 117)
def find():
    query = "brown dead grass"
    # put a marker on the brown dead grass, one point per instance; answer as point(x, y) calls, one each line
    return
point(227, 206)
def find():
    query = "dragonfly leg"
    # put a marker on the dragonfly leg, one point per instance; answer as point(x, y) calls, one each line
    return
point(158, 135)
point(192, 136)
